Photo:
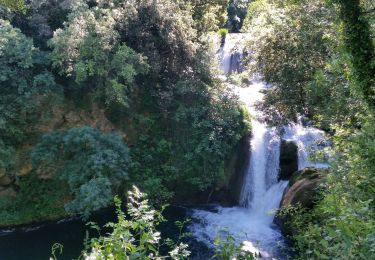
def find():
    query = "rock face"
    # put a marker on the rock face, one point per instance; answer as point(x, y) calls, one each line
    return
point(302, 191)
point(5, 185)
point(288, 160)
point(229, 193)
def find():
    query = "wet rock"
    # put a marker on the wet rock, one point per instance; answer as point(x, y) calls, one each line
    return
point(288, 159)
point(303, 190)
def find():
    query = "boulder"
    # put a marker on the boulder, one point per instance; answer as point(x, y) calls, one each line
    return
point(288, 159)
point(5, 179)
point(7, 192)
point(302, 188)
point(302, 191)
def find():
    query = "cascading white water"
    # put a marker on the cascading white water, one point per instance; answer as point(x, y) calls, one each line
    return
point(308, 140)
point(230, 54)
point(261, 193)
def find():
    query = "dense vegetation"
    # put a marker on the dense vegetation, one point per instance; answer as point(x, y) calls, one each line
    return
point(73, 71)
point(319, 56)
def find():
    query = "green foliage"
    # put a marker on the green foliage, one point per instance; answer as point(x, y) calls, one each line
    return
point(189, 156)
point(146, 63)
point(136, 237)
point(218, 128)
point(289, 45)
point(24, 80)
point(208, 15)
point(192, 122)
point(92, 163)
point(88, 50)
point(227, 249)
point(14, 5)
point(223, 33)
point(37, 200)
point(7, 154)
point(168, 41)
point(360, 46)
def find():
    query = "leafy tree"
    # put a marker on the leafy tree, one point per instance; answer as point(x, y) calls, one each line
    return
point(88, 50)
point(209, 15)
point(24, 80)
point(42, 18)
point(168, 41)
point(190, 155)
point(102, 48)
point(92, 163)
point(290, 51)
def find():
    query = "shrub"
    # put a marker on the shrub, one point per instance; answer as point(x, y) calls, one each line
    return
point(137, 237)
point(91, 162)
point(223, 32)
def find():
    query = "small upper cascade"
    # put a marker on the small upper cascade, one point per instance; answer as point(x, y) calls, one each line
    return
point(231, 54)
point(309, 140)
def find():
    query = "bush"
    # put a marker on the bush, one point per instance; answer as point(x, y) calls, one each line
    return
point(137, 237)
point(223, 33)
point(91, 162)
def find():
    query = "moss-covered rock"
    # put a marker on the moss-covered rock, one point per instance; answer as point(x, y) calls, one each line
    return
point(229, 193)
point(288, 159)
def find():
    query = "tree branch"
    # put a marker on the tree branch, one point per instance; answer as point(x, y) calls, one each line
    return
point(368, 11)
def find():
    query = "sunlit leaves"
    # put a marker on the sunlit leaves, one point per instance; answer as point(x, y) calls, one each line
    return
point(135, 237)
point(14, 5)
point(288, 44)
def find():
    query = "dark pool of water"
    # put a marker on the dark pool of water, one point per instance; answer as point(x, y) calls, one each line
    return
point(35, 243)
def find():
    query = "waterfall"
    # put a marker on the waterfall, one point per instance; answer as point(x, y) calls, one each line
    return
point(230, 54)
point(252, 220)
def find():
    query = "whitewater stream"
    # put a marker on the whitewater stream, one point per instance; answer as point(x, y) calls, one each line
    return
point(251, 222)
